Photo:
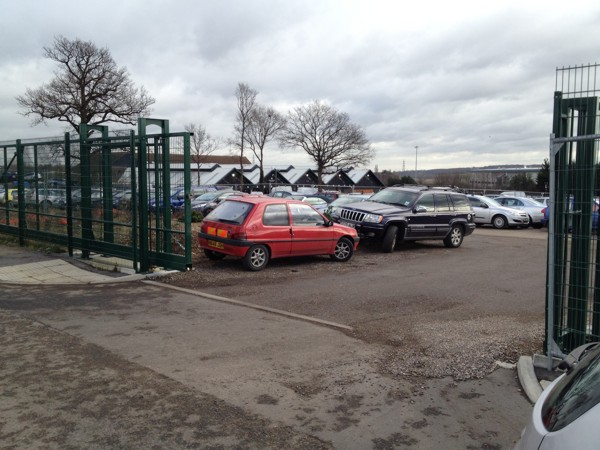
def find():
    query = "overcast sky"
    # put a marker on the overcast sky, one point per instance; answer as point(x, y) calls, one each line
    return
point(469, 82)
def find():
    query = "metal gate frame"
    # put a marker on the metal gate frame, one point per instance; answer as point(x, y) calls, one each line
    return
point(156, 239)
point(573, 263)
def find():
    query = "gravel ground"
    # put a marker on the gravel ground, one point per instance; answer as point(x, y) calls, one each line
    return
point(427, 331)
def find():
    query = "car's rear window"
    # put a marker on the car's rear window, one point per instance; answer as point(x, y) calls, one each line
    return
point(231, 212)
point(575, 394)
point(461, 203)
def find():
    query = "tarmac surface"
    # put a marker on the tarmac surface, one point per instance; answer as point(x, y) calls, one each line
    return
point(19, 266)
point(22, 266)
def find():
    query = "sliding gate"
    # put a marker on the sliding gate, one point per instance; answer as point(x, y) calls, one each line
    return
point(106, 193)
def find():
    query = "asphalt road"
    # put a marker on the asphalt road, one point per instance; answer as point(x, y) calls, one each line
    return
point(143, 365)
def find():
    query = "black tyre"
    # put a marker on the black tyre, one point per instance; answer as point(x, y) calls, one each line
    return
point(499, 222)
point(344, 249)
point(455, 237)
point(389, 239)
point(256, 258)
point(536, 225)
point(213, 256)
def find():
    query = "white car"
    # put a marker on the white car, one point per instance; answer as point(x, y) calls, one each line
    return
point(567, 414)
point(533, 208)
point(489, 212)
point(318, 203)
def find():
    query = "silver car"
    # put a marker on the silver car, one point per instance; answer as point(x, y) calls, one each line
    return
point(489, 212)
point(567, 414)
point(533, 208)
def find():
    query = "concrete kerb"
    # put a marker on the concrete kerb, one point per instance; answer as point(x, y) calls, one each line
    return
point(528, 379)
point(280, 312)
point(530, 382)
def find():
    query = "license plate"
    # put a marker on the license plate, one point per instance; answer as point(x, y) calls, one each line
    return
point(348, 224)
point(216, 244)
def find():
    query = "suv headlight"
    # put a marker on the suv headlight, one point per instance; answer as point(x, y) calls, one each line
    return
point(373, 218)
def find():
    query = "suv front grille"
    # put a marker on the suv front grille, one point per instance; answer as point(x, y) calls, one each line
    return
point(354, 216)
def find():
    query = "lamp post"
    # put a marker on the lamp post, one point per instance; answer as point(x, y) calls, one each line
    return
point(416, 157)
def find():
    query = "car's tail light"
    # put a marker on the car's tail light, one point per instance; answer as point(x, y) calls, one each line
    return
point(240, 236)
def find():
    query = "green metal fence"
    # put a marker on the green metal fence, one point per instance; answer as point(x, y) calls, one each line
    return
point(101, 192)
point(573, 274)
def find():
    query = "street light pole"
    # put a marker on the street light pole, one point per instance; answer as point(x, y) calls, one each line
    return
point(416, 157)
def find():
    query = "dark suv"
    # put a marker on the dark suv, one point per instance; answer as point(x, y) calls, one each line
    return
point(398, 214)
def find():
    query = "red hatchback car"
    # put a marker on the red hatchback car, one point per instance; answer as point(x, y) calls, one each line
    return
point(258, 228)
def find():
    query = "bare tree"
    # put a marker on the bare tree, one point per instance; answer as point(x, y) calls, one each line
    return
point(201, 143)
point(246, 101)
point(87, 88)
point(266, 123)
point(327, 136)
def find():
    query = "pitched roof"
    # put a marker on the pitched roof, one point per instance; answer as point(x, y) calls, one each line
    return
point(177, 158)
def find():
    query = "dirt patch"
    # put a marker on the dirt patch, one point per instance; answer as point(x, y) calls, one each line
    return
point(61, 393)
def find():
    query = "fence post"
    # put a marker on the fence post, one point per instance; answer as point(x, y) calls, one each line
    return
point(69, 191)
point(20, 149)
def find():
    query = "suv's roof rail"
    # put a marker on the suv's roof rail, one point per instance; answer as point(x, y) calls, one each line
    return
point(422, 187)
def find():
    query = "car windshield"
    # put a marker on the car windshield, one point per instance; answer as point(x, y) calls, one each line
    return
point(231, 212)
point(575, 393)
point(346, 199)
point(395, 197)
point(208, 196)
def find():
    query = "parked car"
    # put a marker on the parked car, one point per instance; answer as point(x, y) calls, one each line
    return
point(543, 200)
point(158, 204)
point(260, 228)
point(567, 413)
point(96, 196)
point(534, 209)
point(489, 212)
point(316, 202)
point(122, 199)
point(206, 202)
point(207, 207)
point(346, 199)
point(513, 194)
point(281, 194)
point(328, 196)
point(397, 214)
point(47, 197)
point(595, 213)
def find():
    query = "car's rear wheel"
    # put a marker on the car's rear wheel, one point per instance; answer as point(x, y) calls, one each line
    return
point(389, 239)
point(256, 258)
point(213, 256)
point(343, 250)
point(455, 237)
point(499, 222)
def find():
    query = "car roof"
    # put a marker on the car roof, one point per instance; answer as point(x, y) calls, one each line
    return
point(419, 188)
point(262, 199)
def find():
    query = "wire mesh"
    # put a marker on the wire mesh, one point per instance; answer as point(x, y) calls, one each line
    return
point(574, 259)
point(84, 194)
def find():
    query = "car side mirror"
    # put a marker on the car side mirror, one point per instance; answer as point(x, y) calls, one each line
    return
point(419, 209)
point(328, 223)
